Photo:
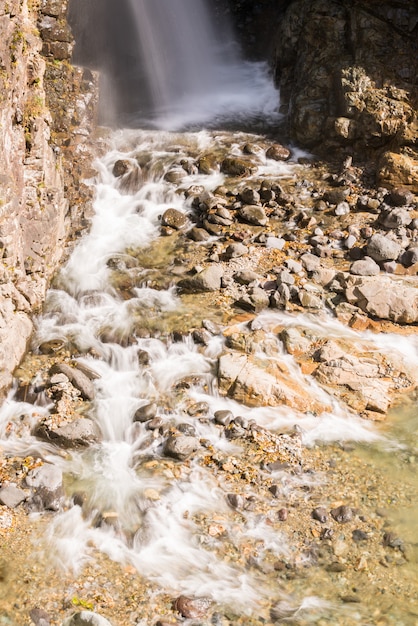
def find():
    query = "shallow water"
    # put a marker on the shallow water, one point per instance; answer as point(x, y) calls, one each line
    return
point(171, 521)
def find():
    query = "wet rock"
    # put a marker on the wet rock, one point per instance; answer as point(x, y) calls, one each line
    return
point(277, 152)
point(320, 514)
point(77, 378)
point(365, 267)
point(391, 540)
point(174, 219)
point(121, 167)
point(342, 514)
point(180, 447)
point(249, 196)
point(143, 358)
point(224, 418)
point(282, 514)
point(11, 496)
point(192, 608)
point(208, 279)
point(80, 433)
point(175, 176)
point(257, 382)
point(186, 429)
point(86, 618)
point(336, 567)
point(335, 196)
point(207, 164)
point(47, 488)
point(145, 412)
point(235, 500)
point(198, 234)
point(253, 214)
point(238, 166)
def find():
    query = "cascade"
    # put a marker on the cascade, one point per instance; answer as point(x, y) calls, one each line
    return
point(169, 410)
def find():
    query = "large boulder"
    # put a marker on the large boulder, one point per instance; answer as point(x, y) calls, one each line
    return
point(385, 297)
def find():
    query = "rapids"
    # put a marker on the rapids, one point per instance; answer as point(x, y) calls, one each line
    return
point(171, 522)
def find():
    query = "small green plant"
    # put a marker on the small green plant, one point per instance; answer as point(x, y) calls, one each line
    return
point(84, 604)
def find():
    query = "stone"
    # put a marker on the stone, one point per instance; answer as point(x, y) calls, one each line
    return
point(384, 297)
point(342, 514)
point(77, 378)
point(47, 488)
point(382, 248)
point(398, 169)
point(255, 381)
point(365, 267)
point(174, 219)
point(192, 608)
point(238, 166)
point(277, 152)
point(310, 262)
point(320, 514)
point(207, 280)
point(235, 250)
point(180, 447)
point(249, 196)
point(253, 214)
point(86, 618)
point(39, 617)
point(246, 277)
point(254, 300)
point(11, 496)
point(410, 256)
point(80, 433)
point(310, 300)
point(396, 218)
point(400, 196)
point(145, 412)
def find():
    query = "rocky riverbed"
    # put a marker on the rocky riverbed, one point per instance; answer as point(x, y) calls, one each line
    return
point(232, 362)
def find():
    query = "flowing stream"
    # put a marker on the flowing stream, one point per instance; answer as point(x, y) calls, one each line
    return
point(114, 301)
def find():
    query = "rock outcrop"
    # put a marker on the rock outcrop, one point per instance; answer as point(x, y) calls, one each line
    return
point(47, 111)
point(347, 72)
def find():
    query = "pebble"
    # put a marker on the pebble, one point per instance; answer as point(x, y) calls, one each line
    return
point(320, 514)
point(180, 447)
point(342, 514)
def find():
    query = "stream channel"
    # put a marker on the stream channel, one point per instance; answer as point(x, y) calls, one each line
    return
point(183, 500)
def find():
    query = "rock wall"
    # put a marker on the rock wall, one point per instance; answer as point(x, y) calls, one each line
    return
point(348, 74)
point(47, 111)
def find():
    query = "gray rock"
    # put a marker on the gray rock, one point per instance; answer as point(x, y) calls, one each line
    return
point(381, 248)
point(253, 214)
point(396, 219)
point(180, 447)
point(310, 262)
point(198, 234)
point(410, 256)
point(80, 433)
point(277, 243)
point(223, 417)
point(255, 300)
point(320, 514)
point(246, 277)
point(11, 496)
point(45, 482)
point(207, 280)
point(86, 618)
point(309, 300)
point(77, 378)
point(235, 250)
point(342, 514)
point(250, 196)
point(365, 267)
point(400, 196)
point(342, 208)
point(145, 412)
point(39, 617)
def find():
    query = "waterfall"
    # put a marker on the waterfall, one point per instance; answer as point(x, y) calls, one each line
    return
point(193, 70)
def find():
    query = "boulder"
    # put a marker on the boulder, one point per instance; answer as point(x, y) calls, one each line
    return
point(385, 297)
point(382, 248)
point(78, 433)
point(207, 280)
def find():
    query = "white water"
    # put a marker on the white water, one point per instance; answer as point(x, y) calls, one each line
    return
point(154, 510)
point(194, 73)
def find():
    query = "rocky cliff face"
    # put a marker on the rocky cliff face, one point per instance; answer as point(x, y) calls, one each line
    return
point(348, 73)
point(46, 114)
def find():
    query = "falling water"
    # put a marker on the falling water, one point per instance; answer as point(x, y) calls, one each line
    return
point(193, 68)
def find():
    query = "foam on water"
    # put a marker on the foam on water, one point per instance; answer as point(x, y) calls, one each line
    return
point(149, 518)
